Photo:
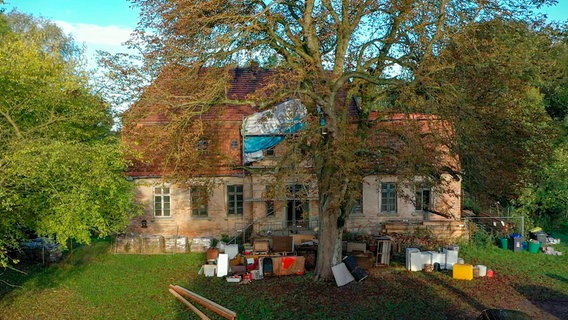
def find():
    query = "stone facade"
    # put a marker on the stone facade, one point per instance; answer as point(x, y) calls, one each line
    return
point(279, 214)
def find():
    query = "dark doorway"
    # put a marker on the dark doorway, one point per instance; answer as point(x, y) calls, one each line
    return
point(295, 207)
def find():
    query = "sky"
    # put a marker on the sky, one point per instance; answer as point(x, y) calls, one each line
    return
point(98, 24)
point(106, 24)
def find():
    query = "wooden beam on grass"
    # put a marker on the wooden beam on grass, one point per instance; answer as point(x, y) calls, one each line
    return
point(189, 305)
point(210, 305)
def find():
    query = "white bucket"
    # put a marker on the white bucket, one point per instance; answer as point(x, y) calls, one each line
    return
point(461, 261)
point(482, 270)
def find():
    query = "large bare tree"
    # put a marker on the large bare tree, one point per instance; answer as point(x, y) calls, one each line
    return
point(323, 47)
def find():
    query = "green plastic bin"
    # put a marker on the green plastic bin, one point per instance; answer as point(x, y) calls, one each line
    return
point(504, 243)
point(534, 246)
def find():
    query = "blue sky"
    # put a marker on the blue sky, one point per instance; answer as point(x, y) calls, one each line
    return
point(106, 24)
point(99, 24)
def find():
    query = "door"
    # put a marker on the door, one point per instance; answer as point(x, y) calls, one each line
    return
point(295, 209)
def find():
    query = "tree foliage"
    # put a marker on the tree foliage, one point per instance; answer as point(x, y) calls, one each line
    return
point(373, 48)
point(60, 164)
point(488, 80)
point(545, 198)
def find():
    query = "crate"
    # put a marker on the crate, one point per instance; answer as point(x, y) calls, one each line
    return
point(261, 246)
point(209, 270)
point(356, 246)
point(463, 271)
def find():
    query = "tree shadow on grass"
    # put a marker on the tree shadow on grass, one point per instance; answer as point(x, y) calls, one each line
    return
point(547, 299)
point(40, 275)
point(460, 294)
point(386, 295)
point(557, 277)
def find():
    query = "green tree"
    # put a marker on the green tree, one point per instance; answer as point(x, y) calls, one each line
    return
point(487, 80)
point(322, 47)
point(545, 199)
point(60, 163)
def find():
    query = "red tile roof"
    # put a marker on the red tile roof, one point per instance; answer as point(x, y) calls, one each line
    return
point(242, 84)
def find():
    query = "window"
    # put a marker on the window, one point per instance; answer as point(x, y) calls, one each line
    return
point(202, 144)
point(269, 196)
point(269, 152)
point(162, 202)
point(269, 208)
point(388, 197)
point(358, 205)
point(235, 199)
point(199, 199)
point(423, 198)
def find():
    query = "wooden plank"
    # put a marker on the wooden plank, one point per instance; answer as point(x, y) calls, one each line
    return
point(189, 305)
point(444, 230)
point(220, 310)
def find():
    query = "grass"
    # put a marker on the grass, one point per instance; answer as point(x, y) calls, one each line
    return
point(92, 283)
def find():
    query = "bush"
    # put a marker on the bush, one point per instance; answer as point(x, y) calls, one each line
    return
point(481, 237)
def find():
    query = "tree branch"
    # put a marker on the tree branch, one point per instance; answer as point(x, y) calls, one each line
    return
point(13, 123)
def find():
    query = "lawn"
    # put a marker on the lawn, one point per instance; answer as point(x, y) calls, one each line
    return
point(92, 283)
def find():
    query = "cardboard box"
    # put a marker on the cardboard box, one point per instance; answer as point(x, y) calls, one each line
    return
point(240, 269)
point(261, 246)
point(288, 265)
point(209, 270)
point(282, 244)
point(356, 246)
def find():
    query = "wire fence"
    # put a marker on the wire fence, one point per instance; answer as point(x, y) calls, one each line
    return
point(498, 226)
point(133, 243)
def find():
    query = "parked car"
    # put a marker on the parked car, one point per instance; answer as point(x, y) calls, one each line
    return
point(42, 250)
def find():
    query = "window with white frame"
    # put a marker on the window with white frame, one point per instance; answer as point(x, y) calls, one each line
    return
point(388, 197)
point(162, 202)
point(423, 198)
point(235, 199)
point(199, 199)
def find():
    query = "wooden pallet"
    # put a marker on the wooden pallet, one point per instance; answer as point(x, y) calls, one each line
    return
point(441, 230)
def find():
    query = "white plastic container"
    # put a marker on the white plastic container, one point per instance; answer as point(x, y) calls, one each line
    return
point(409, 258)
point(418, 260)
point(438, 257)
point(451, 258)
point(482, 270)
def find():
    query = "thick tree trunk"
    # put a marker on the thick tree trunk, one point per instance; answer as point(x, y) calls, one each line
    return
point(331, 184)
point(329, 244)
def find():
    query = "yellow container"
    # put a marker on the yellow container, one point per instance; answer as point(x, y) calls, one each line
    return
point(463, 271)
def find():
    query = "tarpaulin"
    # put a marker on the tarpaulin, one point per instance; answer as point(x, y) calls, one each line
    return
point(265, 129)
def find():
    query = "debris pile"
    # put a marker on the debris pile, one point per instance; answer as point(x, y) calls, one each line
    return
point(275, 256)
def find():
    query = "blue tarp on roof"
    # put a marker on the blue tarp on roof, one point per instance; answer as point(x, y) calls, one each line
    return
point(265, 129)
